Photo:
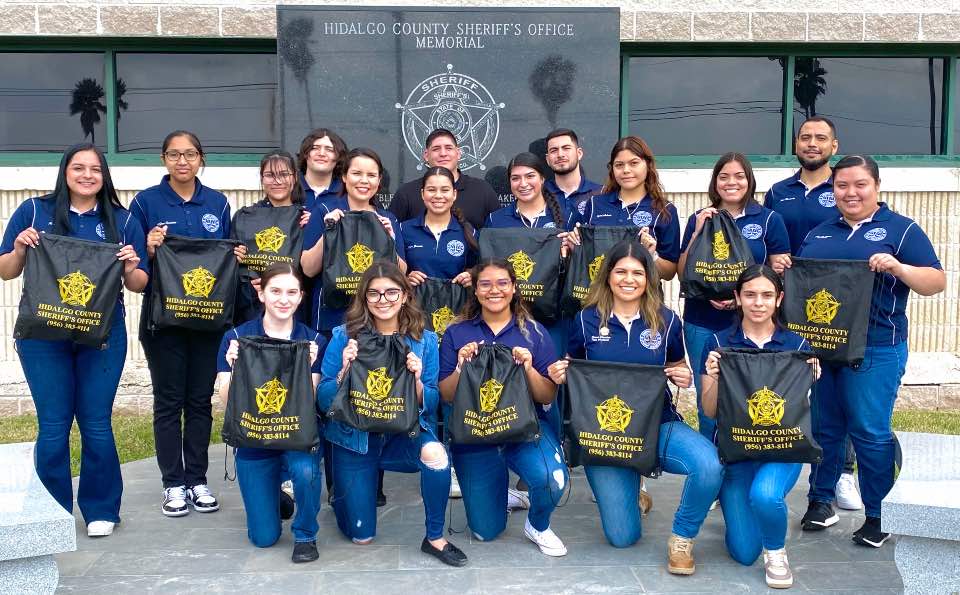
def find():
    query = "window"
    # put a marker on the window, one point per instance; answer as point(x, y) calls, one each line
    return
point(49, 101)
point(228, 100)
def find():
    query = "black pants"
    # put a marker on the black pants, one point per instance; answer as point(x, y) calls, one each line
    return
point(850, 458)
point(183, 368)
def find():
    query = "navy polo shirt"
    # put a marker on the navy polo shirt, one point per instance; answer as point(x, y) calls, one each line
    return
point(312, 199)
point(509, 216)
point(888, 233)
point(635, 346)
point(326, 319)
point(457, 335)
point(802, 209)
point(608, 210)
point(573, 200)
point(442, 258)
point(765, 234)
point(475, 198)
point(254, 328)
point(782, 340)
point(205, 215)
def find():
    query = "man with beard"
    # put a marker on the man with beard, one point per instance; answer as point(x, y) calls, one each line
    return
point(563, 157)
point(806, 200)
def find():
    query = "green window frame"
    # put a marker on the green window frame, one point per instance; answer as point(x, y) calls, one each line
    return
point(949, 53)
point(109, 47)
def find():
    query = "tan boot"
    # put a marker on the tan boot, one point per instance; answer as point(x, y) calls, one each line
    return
point(646, 502)
point(680, 555)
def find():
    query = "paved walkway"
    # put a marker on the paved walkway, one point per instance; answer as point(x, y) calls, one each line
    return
point(209, 553)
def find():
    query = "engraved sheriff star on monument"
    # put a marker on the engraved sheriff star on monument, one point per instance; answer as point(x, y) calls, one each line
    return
point(460, 104)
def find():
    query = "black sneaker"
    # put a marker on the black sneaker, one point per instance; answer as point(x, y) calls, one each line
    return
point(287, 506)
point(820, 515)
point(304, 551)
point(202, 499)
point(174, 501)
point(870, 533)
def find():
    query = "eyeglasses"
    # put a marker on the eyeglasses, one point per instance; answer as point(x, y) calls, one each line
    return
point(174, 156)
point(501, 284)
point(322, 149)
point(282, 177)
point(392, 295)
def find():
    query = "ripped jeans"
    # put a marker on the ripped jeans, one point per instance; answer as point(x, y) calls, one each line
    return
point(483, 477)
point(355, 482)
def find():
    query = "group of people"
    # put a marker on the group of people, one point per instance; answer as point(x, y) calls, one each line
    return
point(820, 212)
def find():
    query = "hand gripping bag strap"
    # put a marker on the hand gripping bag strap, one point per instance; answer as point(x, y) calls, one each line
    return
point(715, 258)
point(586, 260)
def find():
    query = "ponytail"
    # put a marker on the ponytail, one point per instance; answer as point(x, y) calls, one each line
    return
point(555, 211)
point(468, 231)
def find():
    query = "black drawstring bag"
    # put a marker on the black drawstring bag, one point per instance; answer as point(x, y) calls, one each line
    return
point(586, 260)
point(763, 407)
point(493, 404)
point(535, 256)
point(194, 284)
point(350, 246)
point(378, 392)
point(715, 258)
point(271, 402)
point(615, 411)
point(70, 290)
point(828, 303)
point(441, 301)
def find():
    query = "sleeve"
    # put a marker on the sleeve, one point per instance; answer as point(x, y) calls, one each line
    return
point(225, 217)
point(712, 344)
point(222, 365)
point(321, 342)
point(916, 249)
point(668, 234)
point(688, 232)
point(768, 198)
point(314, 229)
point(576, 340)
point(397, 236)
point(19, 221)
point(400, 204)
point(777, 238)
point(429, 376)
point(139, 213)
point(131, 233)
point(544, 352)
point(448, 354)
point(332, 362)
point(675, 346)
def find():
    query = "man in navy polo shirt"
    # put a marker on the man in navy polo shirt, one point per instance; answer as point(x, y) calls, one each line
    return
point(317, 160)
point(563, 157)
point(475, 197)
point(805, 199)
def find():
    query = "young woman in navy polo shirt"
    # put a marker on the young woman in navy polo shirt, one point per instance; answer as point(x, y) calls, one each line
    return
point(858, 401)
point(535, 206)
point(732, 188)
point(385, 304)
point(753, 493)
point(70, 381)
point(623, 321)
point(496, 314)
point(633, 195)
point(182, 362)
point(260, 471)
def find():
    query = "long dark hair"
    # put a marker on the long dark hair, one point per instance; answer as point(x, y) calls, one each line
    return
point(411, 320)
point(307, 143)
point(601, 296)
point(535, 163)
point(755, 271)
point(472, 308)
point(455, 211)
point(652, 185)
point(714, 195)
point(107, 199)
point(352, 154)
point(276, 156)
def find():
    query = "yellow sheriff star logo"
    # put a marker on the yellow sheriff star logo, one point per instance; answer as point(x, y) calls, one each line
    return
point(271, 396)
point(614, 415)
point(198, 282)
point(593, 269)
point(76, 289)
point(441, 318)
point(822, 307)
point(270, 239)
point(359, 258)
point(721, 249)
point(522, 264)
point(378, 384)
point(765, 407)
point(489, 395)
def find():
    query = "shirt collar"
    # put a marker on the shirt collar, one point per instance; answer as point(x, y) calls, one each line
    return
point(174, 199)
point(881, 214)
point(421, 222)
point(478, 320)
point(796, 180)
point(737, 336)
point(90, 212)
point(615, 200)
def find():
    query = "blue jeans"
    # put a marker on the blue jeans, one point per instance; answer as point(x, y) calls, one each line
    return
point(483, 477)
point(752, 500)
point(858, 402)
point(260, 480)
point(355, 478)
point(683, 452)
point(70, 381)
point(696, 338)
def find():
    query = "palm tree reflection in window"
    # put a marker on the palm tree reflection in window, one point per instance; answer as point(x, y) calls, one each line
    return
point(86, 101)
point(808, 84)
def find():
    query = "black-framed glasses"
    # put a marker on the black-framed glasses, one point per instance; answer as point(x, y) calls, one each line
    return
point(392, 295)
point(174, 156)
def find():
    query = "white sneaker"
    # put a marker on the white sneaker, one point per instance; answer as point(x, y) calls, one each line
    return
point(175, 501)
point(100, 528)
point(454, 485)
point(777, 569)
point(848, 497)
point(517, 500)
point(287, 488)
point(546, 540)
point(202, 498)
